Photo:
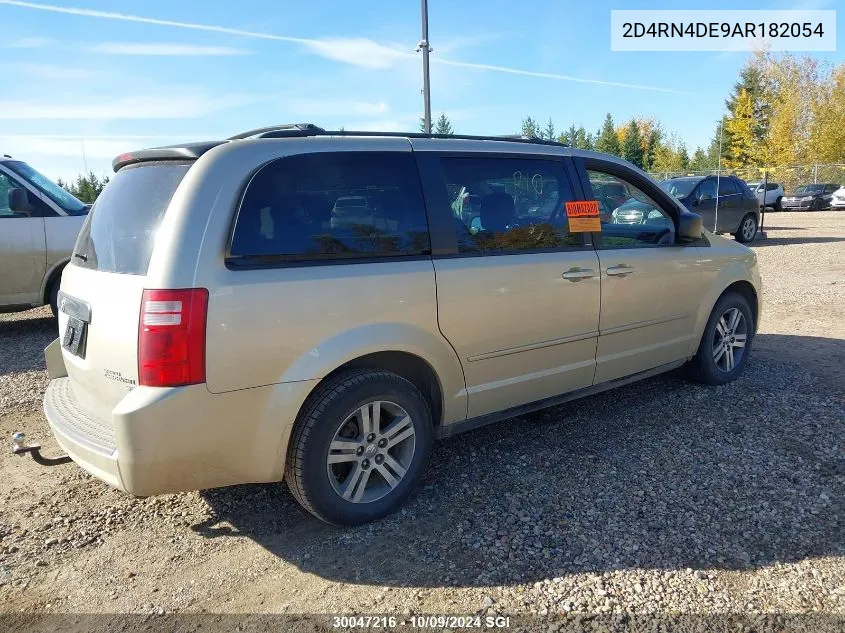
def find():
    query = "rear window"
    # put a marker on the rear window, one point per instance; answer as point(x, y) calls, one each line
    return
point(119, 234)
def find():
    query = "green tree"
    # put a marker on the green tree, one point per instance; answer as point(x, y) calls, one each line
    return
point(683, 157)
point(87, 186)
point(443, 125)
point(632, 148)
point(606, 140)
point(530, 129)
point(583, 139)
point(652, 144)
point(549, 132)
point(700, 161)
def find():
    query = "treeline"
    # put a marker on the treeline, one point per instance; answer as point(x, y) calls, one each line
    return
point(783, 110)
point(85, 187)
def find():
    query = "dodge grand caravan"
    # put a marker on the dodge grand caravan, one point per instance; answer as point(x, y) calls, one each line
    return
point(224, 320)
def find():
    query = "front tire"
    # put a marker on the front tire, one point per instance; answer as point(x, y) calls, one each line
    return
point(359, 446)
point(725, 343)
point(747, 229)
point(778, 206)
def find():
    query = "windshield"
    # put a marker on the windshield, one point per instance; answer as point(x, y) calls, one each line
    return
point(679, 187)
point(64, 199)
point(810, 189)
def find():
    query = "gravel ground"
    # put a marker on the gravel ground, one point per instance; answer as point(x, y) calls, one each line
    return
point(660, 497)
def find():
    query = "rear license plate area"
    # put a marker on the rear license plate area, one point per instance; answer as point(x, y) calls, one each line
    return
point(75, 336)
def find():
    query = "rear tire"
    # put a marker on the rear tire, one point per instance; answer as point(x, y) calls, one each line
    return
point(778, 206)
point(359, 447)
point(723, 351)
point(747, 229)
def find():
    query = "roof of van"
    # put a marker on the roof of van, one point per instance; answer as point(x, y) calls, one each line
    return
point(190, 151)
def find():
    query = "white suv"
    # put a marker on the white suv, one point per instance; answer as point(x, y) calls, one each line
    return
point(838, 199)
point(771, 197)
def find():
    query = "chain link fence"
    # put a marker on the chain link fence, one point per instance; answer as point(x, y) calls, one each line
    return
point(790, 177)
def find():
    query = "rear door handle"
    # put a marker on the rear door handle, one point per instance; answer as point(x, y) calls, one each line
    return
point(620, 271)
point(577, 274)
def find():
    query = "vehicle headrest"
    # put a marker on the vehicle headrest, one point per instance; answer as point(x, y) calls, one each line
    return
point(497, 211)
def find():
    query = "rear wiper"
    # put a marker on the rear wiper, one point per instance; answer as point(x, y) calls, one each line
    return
point(84, 258)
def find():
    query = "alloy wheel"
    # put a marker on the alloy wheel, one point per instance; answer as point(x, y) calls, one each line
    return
point(371, 451)
point(729, 340)
point(749, 228)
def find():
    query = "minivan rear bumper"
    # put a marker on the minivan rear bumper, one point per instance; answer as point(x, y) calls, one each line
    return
point(178, 439)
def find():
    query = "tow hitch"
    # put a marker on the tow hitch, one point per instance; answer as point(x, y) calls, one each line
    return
point(19, 448)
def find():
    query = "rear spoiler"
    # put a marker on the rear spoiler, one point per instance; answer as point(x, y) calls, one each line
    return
point(187, 151)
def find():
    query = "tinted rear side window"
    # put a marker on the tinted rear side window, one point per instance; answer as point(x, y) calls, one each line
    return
point(727, 187)
point(327, 206)
point(119, 234)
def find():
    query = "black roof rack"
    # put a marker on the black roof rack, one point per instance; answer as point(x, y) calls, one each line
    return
point(189, 151)
point(309, 129)
point(279, 131)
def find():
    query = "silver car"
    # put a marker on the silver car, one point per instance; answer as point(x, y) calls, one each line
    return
point(39, 222)
point(217, 327)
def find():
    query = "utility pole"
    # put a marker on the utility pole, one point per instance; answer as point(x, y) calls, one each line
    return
point(426, 49)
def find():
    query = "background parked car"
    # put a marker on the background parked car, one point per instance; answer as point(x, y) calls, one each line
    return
point(813, 197)
point(837, 201)
point(772, 195)
point(738, 208)
point(39, 222)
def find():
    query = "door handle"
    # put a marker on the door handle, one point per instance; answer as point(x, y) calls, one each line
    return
point(620, 270)
point(577, 274)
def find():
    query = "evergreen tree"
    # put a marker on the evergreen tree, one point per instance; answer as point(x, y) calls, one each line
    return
point(683, 157)
point(632, 148)
point(530, 129)
point(87, 187)
point(652, 144)
point(443, 125)
point(606, 140)
point(700, 161)
point(549, 133)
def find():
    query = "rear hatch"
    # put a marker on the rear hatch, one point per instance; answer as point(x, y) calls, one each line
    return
point(103, 285)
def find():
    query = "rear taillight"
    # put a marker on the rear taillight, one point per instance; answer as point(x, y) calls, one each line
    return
point(171, 337)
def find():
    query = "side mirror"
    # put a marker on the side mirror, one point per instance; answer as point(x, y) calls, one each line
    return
point(689, 227)
point(19, 201)
point(704, 196)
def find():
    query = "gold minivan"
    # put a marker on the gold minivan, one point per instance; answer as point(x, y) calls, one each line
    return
point(318, 306)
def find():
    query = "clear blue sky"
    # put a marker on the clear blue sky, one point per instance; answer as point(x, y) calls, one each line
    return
point(71, 74)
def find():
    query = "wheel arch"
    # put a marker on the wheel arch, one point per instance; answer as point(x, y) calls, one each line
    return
point(53, 275)
point(413, 368)
point(747, 290)
point(735, 276)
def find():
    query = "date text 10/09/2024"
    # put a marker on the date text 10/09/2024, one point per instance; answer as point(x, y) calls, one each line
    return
point(722, 29)
point(421, 621)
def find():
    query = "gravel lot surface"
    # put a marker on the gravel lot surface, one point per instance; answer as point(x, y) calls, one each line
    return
point(663, 496)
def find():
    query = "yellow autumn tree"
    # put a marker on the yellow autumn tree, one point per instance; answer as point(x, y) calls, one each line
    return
point(827, 132)
point(794, 86)
point(743, 150)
